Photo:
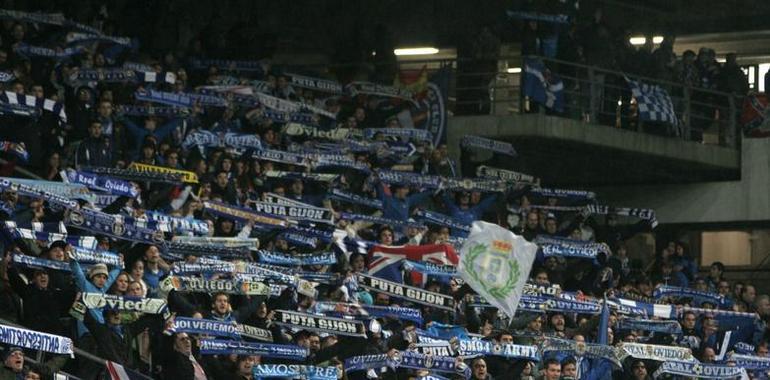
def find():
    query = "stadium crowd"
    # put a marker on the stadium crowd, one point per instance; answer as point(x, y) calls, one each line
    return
point(208, 219)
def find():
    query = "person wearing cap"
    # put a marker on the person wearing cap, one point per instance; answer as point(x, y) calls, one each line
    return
point(13, 364)
point(43, 304)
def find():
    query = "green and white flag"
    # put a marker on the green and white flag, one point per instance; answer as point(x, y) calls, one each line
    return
point(496, 262)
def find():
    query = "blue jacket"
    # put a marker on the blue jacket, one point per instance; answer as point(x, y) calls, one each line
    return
point(471, 214)
point(396, 208)
point(88, 287)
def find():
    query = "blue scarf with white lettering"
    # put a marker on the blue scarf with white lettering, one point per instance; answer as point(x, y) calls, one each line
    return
point(178, 224)
point(641, 213)
point(79, 38)
point(406, 133)
point(230, 65)
point(103, 183)
point(433, 217)
point(294, 371)
point(38, 263)
point(557, 246)
point(541, 303)
point(349, 197)
point(178, 99)
point(470, 141)
point(469, 347)
point(699, 370)
point(208, 139)
point(378, 220)
point(209, 327)
point(34, 340)
point(107, 224)
point(700, 297)
point(83, 255)
point(429, 268)
point(88, 242)
point(39, 51)
point(368, 311)
point(316, 84)
point(33, 103)
point(277, 258)
point(273, 351)
point(35, 192)
point(134, 110)
point(666, 327)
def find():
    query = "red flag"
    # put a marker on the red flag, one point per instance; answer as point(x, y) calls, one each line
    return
point(385, 261)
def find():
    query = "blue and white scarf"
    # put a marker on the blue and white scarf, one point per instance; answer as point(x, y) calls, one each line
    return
point(57, 227)
point(18, 110)
point(88, 242)
point(125, 303)
point(699, 370)
point(184, 268)
point(405, 292)
point(205, 327)
point(277, 258)
point(178, 99)
point(318, 323)
point(219, 241)
point(750, 362)
point(273, 351)
point(641, 213)
point(663, 291)
point(36, 17)
point(318, 177)
point(299, 239)
point(349, 197)
point(293, 212)
point(657, 352)
point(92, 77)
point(230, 65)
point(537, 16)
point(196, 226)
point(199, 285)
point(573, 348)
point(289, 106)
point(432, 217)
point(368, 311)
point(208, 139)
point(34, 192)
point(103, 183)
point(409, 179)
point(294, 371)
point(300, 130)
point(289, 117)
point(643, 309)
point(429, 268)
point(34, 340)
point(509, 176)
point(476, 184)
point(316, 84)
point(29, 101)
point(91, 256)
point(541, 303)
point(325, 160)
point(281, 156)
point(110, 225)
point(666, 327)
point(571, 195)
point(378, 220)
point(555, 246)
point(134, 110)
point(470, 141)
point(368, 88)
point(185, 249)
point(467, 347)
point(78, 38)
point(241, 214)
point(366, 362)
point(406, 133)
point(38, 263)
point(39, 51)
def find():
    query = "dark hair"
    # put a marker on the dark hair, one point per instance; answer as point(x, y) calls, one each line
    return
point(719, 265)
point(552, 361)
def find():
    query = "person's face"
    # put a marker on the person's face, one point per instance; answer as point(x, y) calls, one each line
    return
point(763, 351)
point(359, 114)
point(37, 91)
point(689, 321)
point(227, 164)
point(121, 283)
point(541, 278)
point(262, 310)
point(150, 124)
point(402, 192)
point(314, 343)
point(297, 187)
point(551, 263)
point(709, 355)
point(570, 370)
point(535, 325)
point(15, 361)
point(183, 344)
point(640, 370)
point(506, 339)
point(221, 304)
point(32, 376)
point(465, 199)
point(148, 151)
point(550, 226)
point(749, 294)
point(245, 365)
point(227, 226)
point(382, 299)
point(18, 32)
point(480, 369)
point(95, 130)
point(41, 280)
point(172, 160)
point(105, 109)
point(558, 322)
point(152, 254)
point(357, 264)
point(579, 338)
point(714, 271)
point(723, 288)
point(222, 179)
point(99, 280)
point(486, 330)
point(134, 289)
point(532, 220)
point(113, 318)
point(386, 237)
point(552, 372)
point(56, 254)
point(137, 271)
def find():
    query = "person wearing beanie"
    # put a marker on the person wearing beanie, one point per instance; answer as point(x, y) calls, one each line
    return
point(13, 364)
point(99, 280)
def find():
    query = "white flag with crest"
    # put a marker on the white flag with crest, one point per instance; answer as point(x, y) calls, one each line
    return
point(496, 262)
